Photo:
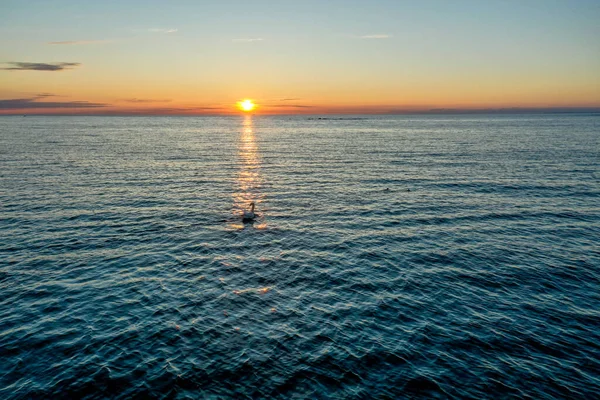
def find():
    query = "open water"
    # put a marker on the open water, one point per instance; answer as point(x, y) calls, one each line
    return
point(394, 257)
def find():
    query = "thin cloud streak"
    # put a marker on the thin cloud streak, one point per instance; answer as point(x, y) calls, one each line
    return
point(165, 110)
point(289, 105)
point(78, 42)
point(37, 105)
point(136, 100)
point(155, 111)
point(248, 40)
point(32, 103)
point(378, 36)
point(43, 95)
point(27, 66)
point(163, 30)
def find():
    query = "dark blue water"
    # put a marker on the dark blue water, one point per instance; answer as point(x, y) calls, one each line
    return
point(394, 257)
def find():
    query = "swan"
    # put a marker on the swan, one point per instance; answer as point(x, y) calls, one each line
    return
point(249, 215)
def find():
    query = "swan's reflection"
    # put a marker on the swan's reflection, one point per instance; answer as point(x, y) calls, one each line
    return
point(250, 180)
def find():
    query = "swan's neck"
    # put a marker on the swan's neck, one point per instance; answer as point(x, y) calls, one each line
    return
point(252, 207)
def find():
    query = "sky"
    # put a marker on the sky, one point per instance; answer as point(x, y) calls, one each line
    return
point(289, 57)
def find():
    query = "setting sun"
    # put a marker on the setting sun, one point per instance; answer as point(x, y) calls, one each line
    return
point(246, 105)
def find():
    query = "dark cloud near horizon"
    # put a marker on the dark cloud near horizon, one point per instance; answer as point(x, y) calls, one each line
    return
point(157, 110)
point(27, 66)
point(291, 99)
point(289, 105)
point(31, 103)
point(513, 110)
point(43, 95)
point(136, 100)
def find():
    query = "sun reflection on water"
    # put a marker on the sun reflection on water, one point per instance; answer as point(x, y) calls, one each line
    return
point(249, 181)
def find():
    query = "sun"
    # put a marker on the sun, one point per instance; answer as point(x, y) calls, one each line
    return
point(246, 105)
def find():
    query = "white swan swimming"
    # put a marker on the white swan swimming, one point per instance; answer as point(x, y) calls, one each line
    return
point(249, 215)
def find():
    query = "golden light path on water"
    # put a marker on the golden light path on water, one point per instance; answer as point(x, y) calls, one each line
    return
point(249, 181)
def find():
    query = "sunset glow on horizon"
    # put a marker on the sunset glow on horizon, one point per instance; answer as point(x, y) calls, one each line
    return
point(356, 57)
point(246, 105)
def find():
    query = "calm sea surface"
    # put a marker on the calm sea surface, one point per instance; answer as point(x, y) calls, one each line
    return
point(394, 257)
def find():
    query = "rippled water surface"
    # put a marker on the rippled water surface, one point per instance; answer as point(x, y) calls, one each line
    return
point(393, 257)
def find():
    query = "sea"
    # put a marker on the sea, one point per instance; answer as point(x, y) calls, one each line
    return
point(410, 256)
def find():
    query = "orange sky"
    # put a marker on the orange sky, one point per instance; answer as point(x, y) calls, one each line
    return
point(309, 58)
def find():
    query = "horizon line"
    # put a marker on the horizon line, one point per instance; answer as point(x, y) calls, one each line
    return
point(437, 111)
